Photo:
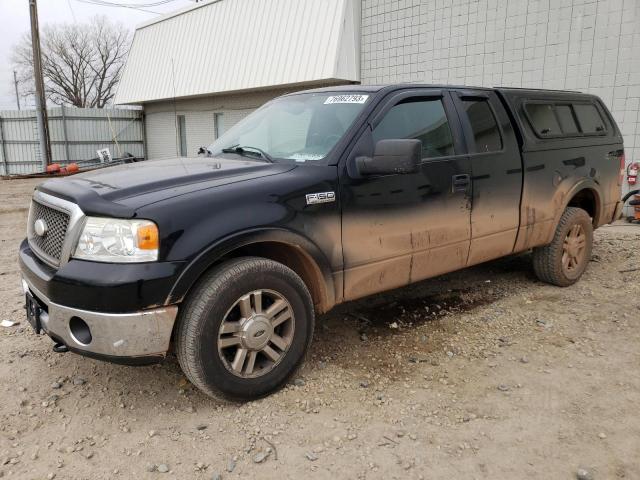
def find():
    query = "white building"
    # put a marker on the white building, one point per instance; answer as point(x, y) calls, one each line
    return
point(199, 70)
point(587, 45)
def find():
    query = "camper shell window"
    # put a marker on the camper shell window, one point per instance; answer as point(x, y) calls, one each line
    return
point(550, 119)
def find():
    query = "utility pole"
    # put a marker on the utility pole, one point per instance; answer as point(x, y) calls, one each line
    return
point(41, 102)
point(15, 83)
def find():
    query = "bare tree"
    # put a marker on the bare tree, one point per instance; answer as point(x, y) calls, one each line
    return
point(82, 63)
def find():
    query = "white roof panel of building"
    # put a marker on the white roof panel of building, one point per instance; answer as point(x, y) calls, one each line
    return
point(233, 45)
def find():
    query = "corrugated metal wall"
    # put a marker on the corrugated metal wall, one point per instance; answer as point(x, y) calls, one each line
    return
point(75, 134)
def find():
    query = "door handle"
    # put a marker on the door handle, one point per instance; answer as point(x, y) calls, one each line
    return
point(460, 183)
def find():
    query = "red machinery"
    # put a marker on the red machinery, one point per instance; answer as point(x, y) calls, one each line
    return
point(633, 169)
point(635, 203)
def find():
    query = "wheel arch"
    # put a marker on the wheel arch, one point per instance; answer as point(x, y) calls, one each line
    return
point(289, 248)
point(588, 199)
point(584, 194)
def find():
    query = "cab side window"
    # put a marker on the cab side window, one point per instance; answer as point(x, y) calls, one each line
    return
point(484, 125)
point(422, 119)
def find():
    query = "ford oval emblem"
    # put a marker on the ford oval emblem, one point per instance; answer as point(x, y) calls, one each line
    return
point(258, 334)
point(40, 227)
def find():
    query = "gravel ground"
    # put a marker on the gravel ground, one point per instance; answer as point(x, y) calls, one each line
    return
point(484, 373)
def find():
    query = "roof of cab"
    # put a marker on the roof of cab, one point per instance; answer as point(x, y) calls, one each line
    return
point(386, 87)
point(400, 86)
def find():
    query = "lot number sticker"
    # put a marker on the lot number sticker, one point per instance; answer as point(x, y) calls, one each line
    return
point(346, 99)
point(104, 155)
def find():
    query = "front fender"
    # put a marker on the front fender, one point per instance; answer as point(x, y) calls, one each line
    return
point(222, 247)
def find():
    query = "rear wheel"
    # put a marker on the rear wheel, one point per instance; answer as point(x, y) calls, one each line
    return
point(565, 259)
point(245, 329)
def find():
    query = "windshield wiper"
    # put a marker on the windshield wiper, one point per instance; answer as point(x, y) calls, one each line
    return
point(248, 150)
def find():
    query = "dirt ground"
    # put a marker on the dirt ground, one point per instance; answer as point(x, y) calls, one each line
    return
point(485, 373)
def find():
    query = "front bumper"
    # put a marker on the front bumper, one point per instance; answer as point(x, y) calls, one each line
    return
point(139, 337)
point(103, 287)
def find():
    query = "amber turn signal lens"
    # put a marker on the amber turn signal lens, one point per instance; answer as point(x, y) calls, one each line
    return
point(148, 237)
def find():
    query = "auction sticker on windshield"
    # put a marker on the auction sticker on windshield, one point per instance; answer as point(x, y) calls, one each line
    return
point(346, 99)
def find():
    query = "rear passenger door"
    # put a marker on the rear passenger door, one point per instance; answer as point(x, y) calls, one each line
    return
point(400, 228)
point(496, 168)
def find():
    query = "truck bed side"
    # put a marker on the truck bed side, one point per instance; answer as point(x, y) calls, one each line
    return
point(563, 164)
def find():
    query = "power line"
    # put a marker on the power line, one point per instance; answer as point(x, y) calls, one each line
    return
point(143, 7)
point(136, 4)
point(121, 6)
point(73, 14)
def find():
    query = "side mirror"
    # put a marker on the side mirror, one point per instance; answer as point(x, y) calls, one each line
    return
point(390, 157)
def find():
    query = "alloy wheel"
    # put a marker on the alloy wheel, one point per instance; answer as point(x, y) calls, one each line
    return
point(256, 333)
point(574, 249)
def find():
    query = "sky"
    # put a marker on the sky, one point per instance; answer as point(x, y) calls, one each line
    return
point(14, 21)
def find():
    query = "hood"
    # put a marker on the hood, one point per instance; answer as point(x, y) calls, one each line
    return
point(119, 190)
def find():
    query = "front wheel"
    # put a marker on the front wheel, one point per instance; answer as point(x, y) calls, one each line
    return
point(245, 328)
point(565, 259)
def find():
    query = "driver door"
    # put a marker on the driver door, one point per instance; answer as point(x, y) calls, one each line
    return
point(401, 228)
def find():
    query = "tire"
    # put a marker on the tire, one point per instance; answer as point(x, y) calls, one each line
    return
point(550, 263)
point(221, 317)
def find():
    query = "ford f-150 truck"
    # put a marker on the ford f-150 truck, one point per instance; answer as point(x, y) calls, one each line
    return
point(316, 198)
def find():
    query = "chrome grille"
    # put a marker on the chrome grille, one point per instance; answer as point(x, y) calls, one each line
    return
point(50, 244)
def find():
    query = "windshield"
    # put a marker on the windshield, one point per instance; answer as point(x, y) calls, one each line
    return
point(301, 127)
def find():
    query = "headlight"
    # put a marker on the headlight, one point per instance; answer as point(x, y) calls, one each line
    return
point(118, 241)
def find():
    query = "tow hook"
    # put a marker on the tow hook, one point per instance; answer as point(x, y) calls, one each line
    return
point(60, 348)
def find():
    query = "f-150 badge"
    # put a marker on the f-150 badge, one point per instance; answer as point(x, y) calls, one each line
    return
point(322, 197)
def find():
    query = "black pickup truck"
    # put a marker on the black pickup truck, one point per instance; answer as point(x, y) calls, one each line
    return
point(316, 198)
